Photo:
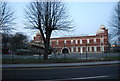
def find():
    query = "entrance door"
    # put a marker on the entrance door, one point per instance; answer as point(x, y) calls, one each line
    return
point(65, 50)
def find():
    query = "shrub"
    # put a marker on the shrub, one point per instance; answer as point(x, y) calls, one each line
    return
point(23, 51)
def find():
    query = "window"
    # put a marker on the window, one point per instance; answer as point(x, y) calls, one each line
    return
point(95, 48)
point(80, 41)
point(57, 42)
point(64, 41)
point(95, 40)
point(88, 41)
point(101, 35)
point(76, 49)
point(71, 41)
point(102, 48)
point(71, 49)
point(81, 49)
point(86, 48)
point(90, 48)
point(68, 42)
point(102, 40)
point(76, 41)
point(50, 42)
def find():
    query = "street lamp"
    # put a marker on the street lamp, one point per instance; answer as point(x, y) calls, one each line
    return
point(64, 52)
point(75, 47)
point(86, 49)
point(12, 57)
point(13, 54)
point(107, 48)
point(101, 44)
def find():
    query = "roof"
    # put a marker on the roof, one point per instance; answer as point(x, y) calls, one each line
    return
point(102, 27)
point(38, 33)
point(73, 37)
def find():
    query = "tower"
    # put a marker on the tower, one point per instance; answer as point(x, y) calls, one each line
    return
point(102, 31)
point(102, 34)
point(38, 37)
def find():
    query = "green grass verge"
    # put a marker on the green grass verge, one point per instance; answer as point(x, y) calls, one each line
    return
point(53, 60)
point(112, 58)
point(33, 60)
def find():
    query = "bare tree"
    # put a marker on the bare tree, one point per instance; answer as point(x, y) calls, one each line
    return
point(6, 22)
point(116, 20)
point(6, 18)
point(47, 16)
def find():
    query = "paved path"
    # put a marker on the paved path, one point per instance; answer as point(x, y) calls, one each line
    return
point(58, 64)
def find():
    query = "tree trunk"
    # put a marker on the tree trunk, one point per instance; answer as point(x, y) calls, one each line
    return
point(47, 44)
point(46, 52)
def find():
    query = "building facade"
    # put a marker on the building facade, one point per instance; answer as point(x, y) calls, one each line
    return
point(91, 44)
point(82, 44)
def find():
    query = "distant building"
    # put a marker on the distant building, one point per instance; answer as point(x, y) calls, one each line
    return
point(81, 44)
point(115, 48)
point(36, 46)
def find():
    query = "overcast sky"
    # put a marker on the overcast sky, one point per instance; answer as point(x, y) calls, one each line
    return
point(87, 17)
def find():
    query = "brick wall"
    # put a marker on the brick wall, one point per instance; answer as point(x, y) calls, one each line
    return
point(92, 44)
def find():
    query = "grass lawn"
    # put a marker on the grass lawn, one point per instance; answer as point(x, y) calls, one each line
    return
point(53, 60)
point(113, 58)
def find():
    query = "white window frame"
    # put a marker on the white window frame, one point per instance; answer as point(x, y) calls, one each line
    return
point(94, 40)
point(102, 40)
point(80, 41)
point(76, 49)
point(102, 48)
point(88, 41)
point(76, 41)
point(95, 48)
point(64, 41)
point(71, 41)
point(90, 48)
point(81, 49)
point(72, 49)
point(57, 42)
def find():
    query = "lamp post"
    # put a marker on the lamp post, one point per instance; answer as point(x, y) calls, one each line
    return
point(86, 49)
point(12, 58)
point(13, 54)
point(102, 46)
point(75, 48)
point(107, 48)
point(64, 51)
point(80, 52)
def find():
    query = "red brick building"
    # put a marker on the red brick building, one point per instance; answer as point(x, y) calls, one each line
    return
point(91, 44)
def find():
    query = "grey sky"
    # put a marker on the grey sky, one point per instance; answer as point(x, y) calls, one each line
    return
point(87, 17)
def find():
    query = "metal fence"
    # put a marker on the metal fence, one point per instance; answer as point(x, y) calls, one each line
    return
point(76, 56)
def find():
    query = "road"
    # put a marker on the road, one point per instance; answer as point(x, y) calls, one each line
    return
point(63, 73)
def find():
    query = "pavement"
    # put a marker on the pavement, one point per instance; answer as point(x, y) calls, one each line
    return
point(78, 55)
point(57, 64)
